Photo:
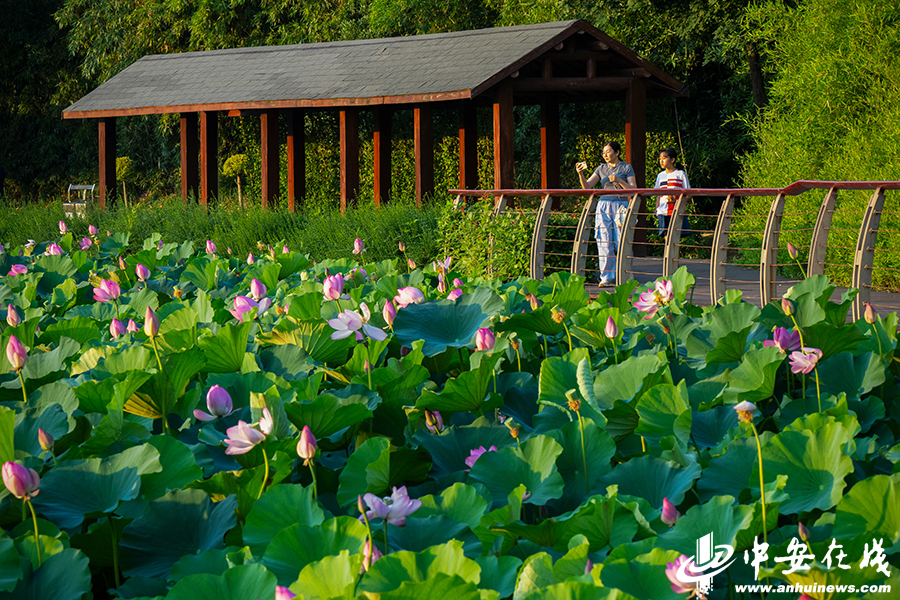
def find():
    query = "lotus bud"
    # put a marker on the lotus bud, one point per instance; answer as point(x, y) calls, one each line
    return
point(54, 250)
point(484, 339)
point(12, 316)
point(533, 301)
point(333, 287)
point(457, 282)
point(792, 251)
point(367, 367)
point(402, 246)
point(558, 314)
point(306, 445)
point(787, 306)
point(612, 332)
point(266, 422)
point(588, 567)
point(669, 513)
point(442, 284)
point(16, 353)
point(142, 272)
point(411, 264)
point(210, 247)
point(360, 505)
point(250, 259)
point(21, 482)
point(358, 246)
point(285, 249)
point(870, 315)
point(283, 593)
point(803, 531)
point(122, 263)
point(371, 553)
point(93, 230)
point(132, 326)
point(151, 323)
point(117, 328)
point(45, 440)
point(745, 411)
point(257, 289)
point(63, 228)
point(389, 313)
point(219, 403)
point(433, 421)
point(17, 270)
point(159, 245)
point(454, 294)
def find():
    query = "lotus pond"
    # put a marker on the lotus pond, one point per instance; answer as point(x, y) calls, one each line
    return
point(179, 423)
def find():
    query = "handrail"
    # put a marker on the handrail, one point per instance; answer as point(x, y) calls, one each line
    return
point(863, 259)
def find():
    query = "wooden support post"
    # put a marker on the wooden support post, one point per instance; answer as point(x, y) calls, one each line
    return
point(468, 146)
point(504, 137)
point(636, 151)
point(349, 136)
point(270, 163)
point(190, 166)
point(209, 157)
point(296, 156)
point(423, 132)
point(550, 142)
point(108, 187)
point(381, 150)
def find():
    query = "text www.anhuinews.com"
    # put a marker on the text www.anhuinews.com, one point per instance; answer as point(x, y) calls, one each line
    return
point(813, 588)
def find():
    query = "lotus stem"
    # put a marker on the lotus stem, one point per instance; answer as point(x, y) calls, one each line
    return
point(762, 486)
point(24, 394)
point(802, 270)
point(643, 444)
point(116, 305)
point(800, 333)
point(385, 524)
point(518, 358)
point(163, 408)
point(115, 551)
point(312, 469)
point(569, 335)
point(37, 540)
point(818, 390)
point(265, 475)
point(371, 366)
point(587, 484)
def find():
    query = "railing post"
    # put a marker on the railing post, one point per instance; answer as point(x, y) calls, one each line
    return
point(539, 238)
point(583, 236)
point(720, 250)
point(499, 207)
point(768, 257)
point(819, 242)
point(673, 236)
point(864, 258)
point(625, 252)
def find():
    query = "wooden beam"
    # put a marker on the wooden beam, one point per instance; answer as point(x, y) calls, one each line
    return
point(270, 163)
point(504, 137)
point(381, 154)
point(636, 152)
point(209, 157)
point(190, 166)
point(571, 84)
point(108, 186)
point(468, 146)
point(550, 142)
point(349, 136)
point(296, 156)
point(423, 133)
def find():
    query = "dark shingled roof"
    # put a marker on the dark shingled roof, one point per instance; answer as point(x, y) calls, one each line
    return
point(444, 66)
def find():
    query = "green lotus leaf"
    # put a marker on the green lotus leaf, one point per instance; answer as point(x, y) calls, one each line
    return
point(192, 522)
point(390, 572)
point(238, 583)
point(135, 304)
point(80, 329)
point(329, 413)
point(291, 263)
point(814, 461)
point(51, 419)
point(499, 573)
point(132, 358)
point(55, 269)
point(653, 479)
point(557, 377)
point(287, 361)
point(709, 428)
point(459, 502)
point(331, 577)
point(554, 532)
point(871, 507)
point(719, 516)
point(852, 375)
point(268, 274)
point(729, 474)
point(840, 579)
point(64, 575)
point(201, 271)
point(579, 590)
point(754, 378)
point(367, 470)
point(421, 533)
point(450, 449)
point(297, 546)
point(41, 365)
point(7, 427)
point(179, 468)
point(446, 324)
point(574, 562)
point(440, 585)
point(664, 411)
point(630, 379)
point(225, 351)
point(465, 393)
point(833, 339)
point(539, 320)
point(312, 336)
point(643, 577)
point(599, 448)
point(10, 567)
point(213, 562)
point(76, 488)
point(532, 465)
point(536, 574)
point(280, 507)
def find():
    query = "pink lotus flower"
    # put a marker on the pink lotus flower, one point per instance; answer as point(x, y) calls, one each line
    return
point(22, 482)
point(442, 284)
point(670, 514)
point(804, 361)
point(358, 246)
point(283, 593)
point(266, 422)
point(159, 246)
point(394, 508)
point(476, 453)
point(54, 250)
point(257, 289)
point(371, 553)
point(210, 247)
point(17, 270)
point(433, 421)
point(611, 331)
point(85, 243)
point(454, 294)
point(12, 316)
point(107, 292)
point(117, 328)
point(650, 301)
point(484, 339)
point(243, 304)
point(132, 326)
point(442, 266)
point(142, 272)
point(93, 230)
point(16, 353)
point(457, 282)
point(350, 321)
point(333, 287)
point(250, 259)
point(408, 295)
point(285, 249)
point(306, 445)
point(786, 341)
point(45, 440)
point(678, 586)
point(218, 401)
point(389, 313)
point(63, 228)
point(242, 438)
point(151, 323)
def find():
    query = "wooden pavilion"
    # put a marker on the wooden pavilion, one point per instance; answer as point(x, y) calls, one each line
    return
point(543, 64)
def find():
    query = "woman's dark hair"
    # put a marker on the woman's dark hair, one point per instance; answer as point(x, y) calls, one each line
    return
point(671, 153)
point(614, 145)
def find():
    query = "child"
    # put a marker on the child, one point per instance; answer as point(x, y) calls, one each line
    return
point(672, 177)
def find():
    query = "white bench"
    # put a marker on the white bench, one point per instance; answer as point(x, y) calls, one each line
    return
point(73, 208)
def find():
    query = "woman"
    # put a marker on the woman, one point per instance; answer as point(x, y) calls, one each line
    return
point(671, 177)
point(612, 175)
